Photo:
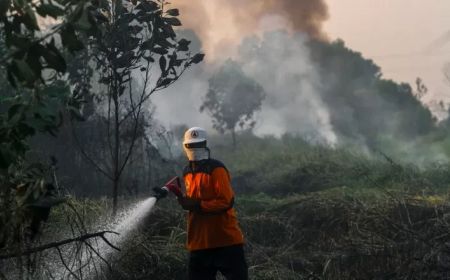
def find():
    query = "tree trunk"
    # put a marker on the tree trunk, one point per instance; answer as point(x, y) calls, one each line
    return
point(233, 136)
point(116, 175)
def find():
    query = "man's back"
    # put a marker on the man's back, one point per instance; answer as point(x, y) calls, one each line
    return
point(215, 224)
point(215, 241)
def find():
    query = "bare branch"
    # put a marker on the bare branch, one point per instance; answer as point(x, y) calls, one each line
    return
point(51, 245)
point(98, 254)
point(61, 257)
point(109, 243)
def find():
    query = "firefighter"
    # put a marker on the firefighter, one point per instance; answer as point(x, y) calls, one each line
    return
point(214, 239)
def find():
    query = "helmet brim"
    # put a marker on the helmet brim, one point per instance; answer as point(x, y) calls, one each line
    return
point(193, 141)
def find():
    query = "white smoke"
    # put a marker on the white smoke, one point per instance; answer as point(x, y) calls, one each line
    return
point(281, 63)
point(180, 103)
point(278, 61)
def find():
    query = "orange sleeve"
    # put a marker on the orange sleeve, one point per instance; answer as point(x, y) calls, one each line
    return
point(220, 180)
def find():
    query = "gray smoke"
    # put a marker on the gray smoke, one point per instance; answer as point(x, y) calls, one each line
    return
point(281, 63)
point(222, 24)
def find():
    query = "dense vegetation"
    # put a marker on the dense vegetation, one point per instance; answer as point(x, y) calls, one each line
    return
point(308, 212)
point(363, 104)
point(313, 212)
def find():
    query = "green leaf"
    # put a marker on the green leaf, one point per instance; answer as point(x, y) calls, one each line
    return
point(173, 12)
point(53, 58)
point(173, 21)
point(70, 39)
point(4, 7)
point(164, 82)
point(147, 6)
point(18, 41)
point(29, 19)
point(83, 22)
point(198, 58)
point(14, 109)
point(174, 61)
point(183, 45)
point(164, 43)
point(50, 10)
point(56, 92)
point(34, 59)
point(148, 44)
point(168, 31)
point(160, 51)
point(11, 79)
point(162, 64)
point(23, 71)
point(78, 12)
point(149, 59)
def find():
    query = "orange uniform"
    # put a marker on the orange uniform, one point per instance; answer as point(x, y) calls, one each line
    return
point(215, 225)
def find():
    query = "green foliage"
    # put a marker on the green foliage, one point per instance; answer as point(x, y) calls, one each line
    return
point(291, 165)
point(27, 115)
point(135, 37)
point(31, 52)
point(324, 212)
point(32, 63)
point(23, 188)
point(362, 104)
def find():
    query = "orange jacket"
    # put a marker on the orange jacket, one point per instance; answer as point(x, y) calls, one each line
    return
point(215, 225)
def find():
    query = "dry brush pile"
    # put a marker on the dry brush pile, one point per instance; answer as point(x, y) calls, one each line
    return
point(345, 237)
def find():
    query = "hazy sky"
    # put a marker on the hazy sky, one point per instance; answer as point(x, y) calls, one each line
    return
point(404, 37)
point(399, 35)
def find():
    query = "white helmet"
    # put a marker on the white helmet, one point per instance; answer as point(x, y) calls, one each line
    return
point(194, 135)
point(194, 144)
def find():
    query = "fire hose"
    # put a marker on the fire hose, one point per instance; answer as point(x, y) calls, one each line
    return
point(173, 186)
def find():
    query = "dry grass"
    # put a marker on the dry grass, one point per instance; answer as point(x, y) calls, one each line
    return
point(330, 235)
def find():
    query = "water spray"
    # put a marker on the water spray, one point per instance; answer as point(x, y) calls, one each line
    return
point(124, 223)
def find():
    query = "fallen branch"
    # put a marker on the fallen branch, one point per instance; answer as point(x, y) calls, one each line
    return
point(81, 238)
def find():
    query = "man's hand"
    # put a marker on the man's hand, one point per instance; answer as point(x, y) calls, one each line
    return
point(189, 204)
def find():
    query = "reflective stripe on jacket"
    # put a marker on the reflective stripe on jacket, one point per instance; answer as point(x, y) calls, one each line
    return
point(216, 224)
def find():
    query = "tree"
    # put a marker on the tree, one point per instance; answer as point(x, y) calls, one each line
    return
point(232, 99)
point(362, 105)
point(33, 61)
point(35, 99)
point(135, 36)
point(34, 102)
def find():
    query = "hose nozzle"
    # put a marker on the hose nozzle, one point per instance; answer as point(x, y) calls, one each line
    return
point(173, 186)
point(160, 192)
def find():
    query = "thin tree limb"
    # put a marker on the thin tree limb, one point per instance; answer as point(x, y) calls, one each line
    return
point(98, 255)
point(51, 245)
point(109, 243)
point(64, 263)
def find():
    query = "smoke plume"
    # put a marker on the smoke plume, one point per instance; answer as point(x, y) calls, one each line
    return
point(281, 64)
point(222, 24)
